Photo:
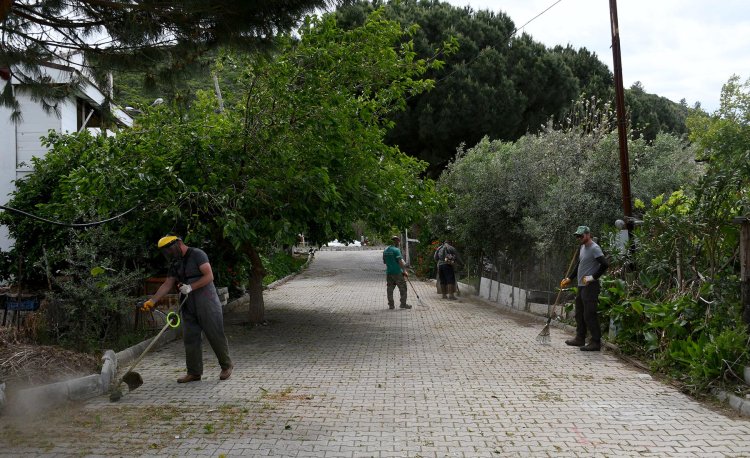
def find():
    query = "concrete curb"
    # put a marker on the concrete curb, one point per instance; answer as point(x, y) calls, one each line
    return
point(737, 403)
point(44, 397)
point(281, 281)
point(741, 405)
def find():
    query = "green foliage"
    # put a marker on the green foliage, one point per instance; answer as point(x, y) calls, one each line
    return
point(492, 85)
point(682, 310)
point(424, 263)
point(279, 265)
point(524, 198)
point(298, 149)
point(710, 358)
point(161, 40)
point(92, 295)
point(497, 84)
point(651, 114)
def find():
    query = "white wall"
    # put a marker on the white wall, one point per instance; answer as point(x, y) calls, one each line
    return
point(7, 162)
point(511, 296)
point(35, 125)
point(20, 142)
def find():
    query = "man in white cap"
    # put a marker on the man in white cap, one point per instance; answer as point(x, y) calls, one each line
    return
point(395, 272)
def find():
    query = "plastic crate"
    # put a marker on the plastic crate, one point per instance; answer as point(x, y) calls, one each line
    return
point(23, 304)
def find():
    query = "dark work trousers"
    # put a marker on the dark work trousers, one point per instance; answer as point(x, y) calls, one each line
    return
point(587, 301)
point(201, 315)
point(447, 278)
point(396, 280)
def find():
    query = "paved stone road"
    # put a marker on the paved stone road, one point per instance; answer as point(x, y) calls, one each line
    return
point(337, 374)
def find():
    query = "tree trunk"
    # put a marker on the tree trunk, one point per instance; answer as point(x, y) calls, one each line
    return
point(5, 6)
point(745, 270)
point(256, 307)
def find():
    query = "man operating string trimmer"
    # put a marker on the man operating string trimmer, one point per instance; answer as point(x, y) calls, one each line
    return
point(191, 272)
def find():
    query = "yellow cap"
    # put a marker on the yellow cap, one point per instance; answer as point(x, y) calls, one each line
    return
point(167, 240)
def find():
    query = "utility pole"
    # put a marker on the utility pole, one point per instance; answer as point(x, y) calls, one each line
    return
point(627, 206)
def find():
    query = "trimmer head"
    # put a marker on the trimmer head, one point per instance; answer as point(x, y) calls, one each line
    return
point(133, 380)
point(115, 395)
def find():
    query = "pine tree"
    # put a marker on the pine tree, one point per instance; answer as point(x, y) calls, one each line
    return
point(161, 38)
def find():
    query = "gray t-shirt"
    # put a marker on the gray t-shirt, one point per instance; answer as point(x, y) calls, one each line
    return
point(588, 265)
point(187, 270)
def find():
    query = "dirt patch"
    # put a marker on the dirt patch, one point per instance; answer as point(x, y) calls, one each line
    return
point(24, 364)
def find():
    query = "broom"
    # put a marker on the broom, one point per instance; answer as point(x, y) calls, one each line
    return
point(543, 336)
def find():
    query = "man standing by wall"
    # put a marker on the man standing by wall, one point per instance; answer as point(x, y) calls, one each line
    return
point(591, 265)
point(395, 271)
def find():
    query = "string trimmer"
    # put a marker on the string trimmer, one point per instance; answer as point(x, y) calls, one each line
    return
point(544, 336)
point(134, 379)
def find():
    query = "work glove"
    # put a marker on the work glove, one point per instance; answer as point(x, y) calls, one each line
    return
point(185, 289)
point(147, 305)
point(564, 283)
point(587, 279)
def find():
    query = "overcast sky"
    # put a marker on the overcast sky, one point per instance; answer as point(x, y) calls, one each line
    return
point(675, 48)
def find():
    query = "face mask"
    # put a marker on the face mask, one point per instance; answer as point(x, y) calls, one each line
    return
point(172, 252)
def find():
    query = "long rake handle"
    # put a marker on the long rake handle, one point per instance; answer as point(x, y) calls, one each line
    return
point(567, 272)
point(414, 289)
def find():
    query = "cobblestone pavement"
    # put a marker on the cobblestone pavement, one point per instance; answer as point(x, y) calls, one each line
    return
point(336, 374)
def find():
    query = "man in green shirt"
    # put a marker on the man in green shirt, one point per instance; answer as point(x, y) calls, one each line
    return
point(395, 272)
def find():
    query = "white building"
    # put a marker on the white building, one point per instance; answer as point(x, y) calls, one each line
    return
point(19, 142)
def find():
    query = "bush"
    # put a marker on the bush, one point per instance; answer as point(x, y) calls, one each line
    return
point(92, 295)
point(280, 264)
point(424, 262)
point(710, 359)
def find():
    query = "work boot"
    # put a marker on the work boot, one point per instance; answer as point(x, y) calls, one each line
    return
point(405, 306)
point(592, 346)
point(225, 373)
point(445, 297)
point(577, 342)
point(188, 378)
point(391, 306)
point(451, 297)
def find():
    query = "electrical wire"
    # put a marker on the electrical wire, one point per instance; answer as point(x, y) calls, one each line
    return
point(75, 225)
point(529, 21)
point(505, 40)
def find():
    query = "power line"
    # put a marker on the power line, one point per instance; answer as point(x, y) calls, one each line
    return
point(530, 20)
point(75, 225)
point(505, 40)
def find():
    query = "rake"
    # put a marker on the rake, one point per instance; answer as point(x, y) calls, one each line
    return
point(419, 299)
point(544, 336)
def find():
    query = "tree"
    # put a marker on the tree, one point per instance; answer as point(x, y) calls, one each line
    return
point(523, 198)
point(161, 39)
point(299, 150)
point(492, 85)
point(651, 114)
point(594, 77)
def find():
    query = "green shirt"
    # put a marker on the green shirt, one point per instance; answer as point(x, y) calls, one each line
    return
point(391, 258)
